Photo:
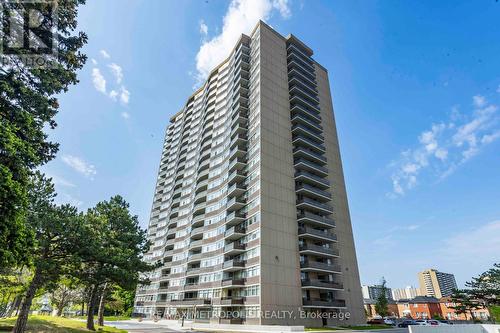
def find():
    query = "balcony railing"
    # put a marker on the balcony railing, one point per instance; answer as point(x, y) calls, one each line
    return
point(314, 205)
point(320, 266)
point(323, 303)
point(322, 284)
point(316, 219)
point(315, 249)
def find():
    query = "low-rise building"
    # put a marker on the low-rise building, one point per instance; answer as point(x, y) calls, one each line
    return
point(370, 311)
point(420, 307)
point(448, 312)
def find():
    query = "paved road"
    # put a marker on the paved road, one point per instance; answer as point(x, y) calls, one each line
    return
point(135, 327)
point(145, 327)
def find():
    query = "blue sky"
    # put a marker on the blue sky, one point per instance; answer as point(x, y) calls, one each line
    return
point(416, 87)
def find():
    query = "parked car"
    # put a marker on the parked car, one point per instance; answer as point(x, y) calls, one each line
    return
point(406, 323)
point(445, 322)
point(389, 321)
point(421, 322)
point(376, 321)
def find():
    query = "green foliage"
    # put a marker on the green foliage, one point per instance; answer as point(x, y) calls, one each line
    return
point(115, 246)
point(120, 302)
point(495, 313)
point(56, 325)
point(482, 292)
point(382, 305)
point(27, 106)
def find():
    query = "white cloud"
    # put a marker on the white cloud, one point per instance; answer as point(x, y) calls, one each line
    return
point(65, 198)
point(489, 138)
point(241, 17)
point(94, 62)
point(79, 165)
point(125, 115)
point(117, 72)
point(124, 95)
point(447, 145)
point(462, 249)
point(282, 7)
point(105, 54)
point(98, 80)
point(203, 28)
point(59, 181)
point(498, 89)
point(113, 94)
point(478, 101)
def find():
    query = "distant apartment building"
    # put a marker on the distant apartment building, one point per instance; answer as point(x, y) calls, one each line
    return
point(250, 211)
point(436, 284)
point(405, 293)
point(374, 291)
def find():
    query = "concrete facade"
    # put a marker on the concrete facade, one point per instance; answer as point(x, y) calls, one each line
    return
point(250, 216)
point(437, 284)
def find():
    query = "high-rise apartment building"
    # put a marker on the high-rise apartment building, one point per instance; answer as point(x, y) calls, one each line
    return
point(408, 292)
point(373, 292)
point(250, 215)
point(436, 284)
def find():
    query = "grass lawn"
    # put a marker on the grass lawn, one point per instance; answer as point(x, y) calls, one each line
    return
point(354, 328)
point(48, 324)
point(495, 313)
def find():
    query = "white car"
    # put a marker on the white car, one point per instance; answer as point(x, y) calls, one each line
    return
point(389, 321)
point(428, 322)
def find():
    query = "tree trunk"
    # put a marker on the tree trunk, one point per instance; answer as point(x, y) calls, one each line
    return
point(22, 319)
point(91, 308)
point(100, 317)
point(14, 305)
point(83, 308)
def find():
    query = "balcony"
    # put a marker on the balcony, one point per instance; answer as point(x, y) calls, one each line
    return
point(234, 233)
point(239, 141)
point(193, 271)
point(308, 232)
point(200, 197)
point(300, 110)
point(198, 221)
point(315, 206)
point(234, 248)
point(194, 257)
point(311, 144)
point(238, 129)
point(303, 130)
point(299, 90)
point(237, 176)
point(316, 220)
point(297, 100)
point(318, 251)
point(307, 85)
point(234, 218)
point(233, 282)
point(195, 244)
point(236, 152)
point(316, 266)
point(235, 204)
point(311, 155)
point(237, 164)
point(236, 190)
point(197, 231)
point(228, 301)
point(233, 265)
point(323, 303)
point(313, 192)
point(303, 164)
point(191, 301)
point(307, 121)
point(320, 284)
point(306, 177)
